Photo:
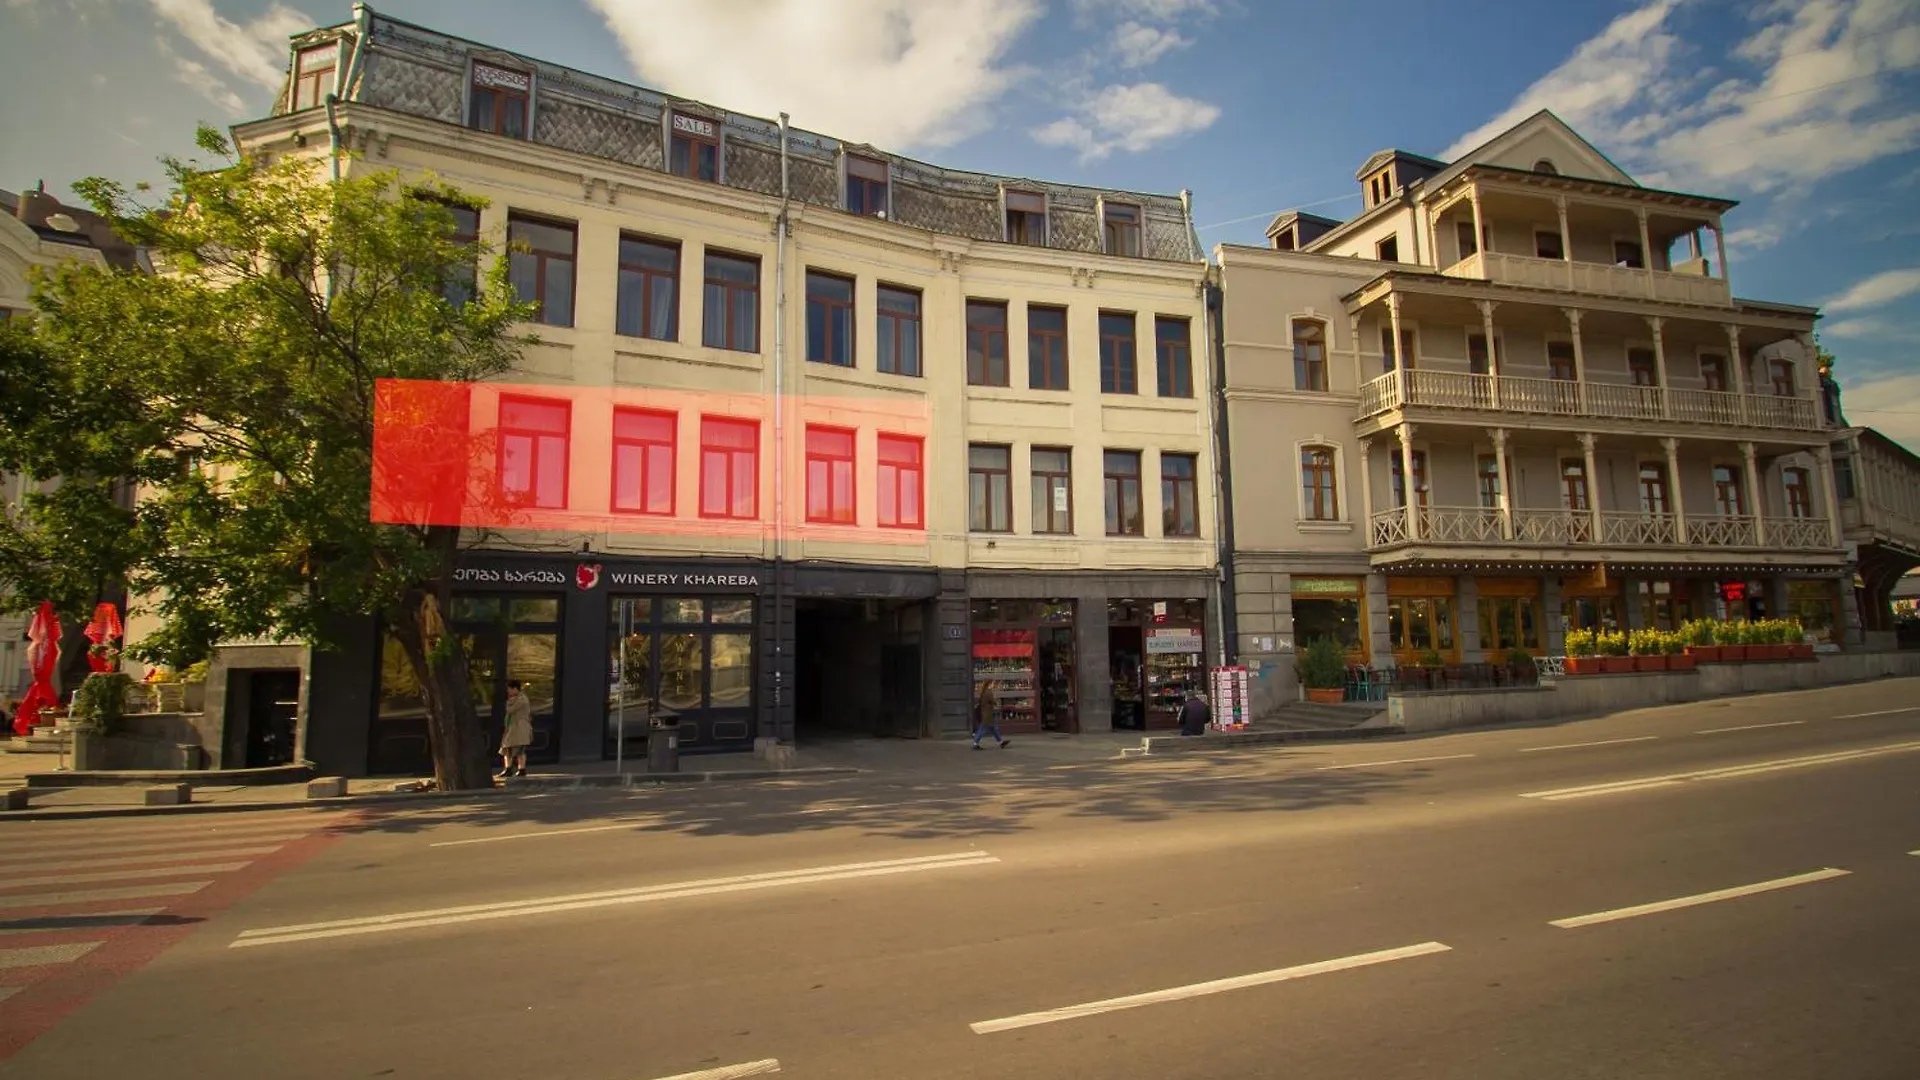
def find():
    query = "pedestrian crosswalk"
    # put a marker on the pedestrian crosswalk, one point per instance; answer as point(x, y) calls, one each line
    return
point(85, 902)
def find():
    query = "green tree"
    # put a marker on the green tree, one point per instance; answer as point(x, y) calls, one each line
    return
point(234, 391)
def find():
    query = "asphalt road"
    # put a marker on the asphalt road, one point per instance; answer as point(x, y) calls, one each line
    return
point(1717, 890)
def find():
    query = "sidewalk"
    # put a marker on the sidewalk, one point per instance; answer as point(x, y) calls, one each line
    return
point(824, 758)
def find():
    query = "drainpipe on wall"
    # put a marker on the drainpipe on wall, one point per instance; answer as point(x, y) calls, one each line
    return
point(1223, 464)
point(780, 643)
point(333, 135)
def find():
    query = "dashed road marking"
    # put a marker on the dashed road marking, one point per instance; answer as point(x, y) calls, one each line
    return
point(1395, 761)
point(89, 896)
point(1671, 779)
point(188, 870)
point(1749, 727)
point(1825, 874)
point(42, 955)
point(731, 1072)
point(1582, 745)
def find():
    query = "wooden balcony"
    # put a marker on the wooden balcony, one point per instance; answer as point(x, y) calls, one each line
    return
point(1465, 392)
point(1596, 279)
point(1480, 526)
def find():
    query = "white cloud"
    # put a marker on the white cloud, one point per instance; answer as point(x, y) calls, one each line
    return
point(1895, 405)
point(1753, 238)
point(1816, 96)
point(1133, 118)
point(255, 51)
point(1154, 10)
point(1139, 45)
point(895, 73)
point(1856, 328)
point(195, 74)
point(1881, 288)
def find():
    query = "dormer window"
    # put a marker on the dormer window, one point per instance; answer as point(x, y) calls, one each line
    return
point(1545, 168)
point(1379, 187)
point(866, 186)
point(1284, 240)
point(1121, 226)
point(313, 71)
point(498, 101)
point(1026, 218)
point(695, 152)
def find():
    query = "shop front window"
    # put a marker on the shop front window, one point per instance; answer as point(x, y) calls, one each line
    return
point(1664, 605)
point(1329, 608)
point(1509, 622)
point(1419, 623)
point(1816, 604)
point(686, 656)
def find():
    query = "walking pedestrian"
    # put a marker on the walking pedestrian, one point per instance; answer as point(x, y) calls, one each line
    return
point(987, 715)
point(519, 733)
point(1195, 714)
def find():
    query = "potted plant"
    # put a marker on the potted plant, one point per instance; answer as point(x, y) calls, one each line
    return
point(1646, 650)
point(1520, 667)
point(193, 680)
point(1614, 658)
point(1697, 638)
point(1322, 666)
point(1799, 647)
point(1581, 645)
point(94, 714)
point(1674, 645)
point(1732, 639)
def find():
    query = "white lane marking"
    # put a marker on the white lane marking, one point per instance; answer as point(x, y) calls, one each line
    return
point(126, 875)
point(1639, 783)
point(730, 1072)
point(42, 955)
point(1580, 745)
point(16, 853)
point(176, 832)
point(1395, 761)
point(1880, 712)
point(1217, 986)
point(1749, 727)
point(633, 824)
point(408, 920)
point(94, 920)
point(158, 857)
point(89, 896)
point(840, 809)
point(1825, 874)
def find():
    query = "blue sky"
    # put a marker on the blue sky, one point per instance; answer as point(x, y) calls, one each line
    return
point(1808, 111)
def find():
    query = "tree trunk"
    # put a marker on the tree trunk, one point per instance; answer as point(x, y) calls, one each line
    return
point(461, 756)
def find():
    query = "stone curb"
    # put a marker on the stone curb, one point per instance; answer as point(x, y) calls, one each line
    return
point(348, 802)
point(1160, 745)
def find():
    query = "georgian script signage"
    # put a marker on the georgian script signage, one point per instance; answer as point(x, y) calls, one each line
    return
point(487, 575)
point(693, 125)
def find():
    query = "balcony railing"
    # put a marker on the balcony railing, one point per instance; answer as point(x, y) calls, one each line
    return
point(1595, 278)
point(1431, 389)
point(1484, 526)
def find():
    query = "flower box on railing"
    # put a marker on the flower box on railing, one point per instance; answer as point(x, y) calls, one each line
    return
point(1616, 665)
point(1680, 662)
point(1704, 654)
point(1650, 663)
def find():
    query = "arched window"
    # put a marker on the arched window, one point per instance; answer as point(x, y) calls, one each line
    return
point(1309, 354)
point(1319, 492)
point(1545, 167)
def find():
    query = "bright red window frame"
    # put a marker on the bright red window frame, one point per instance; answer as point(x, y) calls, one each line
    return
point(901, 481)
point(830, 473)
point(643, 448)
point(733, 445)
point(542, 432)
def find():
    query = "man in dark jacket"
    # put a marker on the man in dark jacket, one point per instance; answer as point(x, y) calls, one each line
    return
point(1194, 714)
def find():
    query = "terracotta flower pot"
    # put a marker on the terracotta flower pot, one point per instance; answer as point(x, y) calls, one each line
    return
point(1322, 696)
point(1680, 662)
point(1704, 654)
point(1802, 650)
point(1733, 654)
point(1616, 665)
point(1650, 663)
point(1582, 665)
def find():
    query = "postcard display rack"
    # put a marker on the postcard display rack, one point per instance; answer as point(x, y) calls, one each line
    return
point(1007, 658)
point(1173, 670)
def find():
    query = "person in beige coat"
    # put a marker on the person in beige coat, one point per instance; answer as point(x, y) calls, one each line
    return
point(519, 733)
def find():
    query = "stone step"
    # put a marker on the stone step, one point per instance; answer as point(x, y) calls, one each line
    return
point(1313, 716)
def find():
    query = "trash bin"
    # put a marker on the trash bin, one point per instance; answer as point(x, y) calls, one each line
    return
point(663, 744)
point(186, 756)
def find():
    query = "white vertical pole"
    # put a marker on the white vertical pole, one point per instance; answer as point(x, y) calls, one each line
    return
point(620, 710)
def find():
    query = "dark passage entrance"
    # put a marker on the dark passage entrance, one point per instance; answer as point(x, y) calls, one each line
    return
point(273, 709)
point(858, 667)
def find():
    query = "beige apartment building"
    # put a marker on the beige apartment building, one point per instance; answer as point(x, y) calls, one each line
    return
point(1515, 396)
point(818, 437)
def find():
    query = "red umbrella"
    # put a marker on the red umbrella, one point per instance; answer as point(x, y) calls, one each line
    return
point(104, 631)
point(43, 653)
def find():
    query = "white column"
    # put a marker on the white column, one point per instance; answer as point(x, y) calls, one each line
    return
point(1676, 488)
point(1566, 237)
point(1360, 376)
point(1407, 488)
point(1720, 244)
point(1399, 353)
point(1480, 237)
point(1738, 366)
point(1646, 248)
point(1506, 491)
point(1656, 324)
point(1366, 489)
point(1579, 358)
point(1824, 454)
point(1756, 506)
point(1493, 355)
point(1587, 441)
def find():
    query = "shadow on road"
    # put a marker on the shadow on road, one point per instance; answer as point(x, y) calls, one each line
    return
point(1000, 800)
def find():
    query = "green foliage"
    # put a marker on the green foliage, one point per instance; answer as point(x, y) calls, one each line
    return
point(1431, 658)
point(235, 390)
point(195, 672)
point(1613, 643)
point(1582, 643)
point(1322, 665)
point(100, 702)
point(1697, 632)
point(1672, 642)
point(1519, 660)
